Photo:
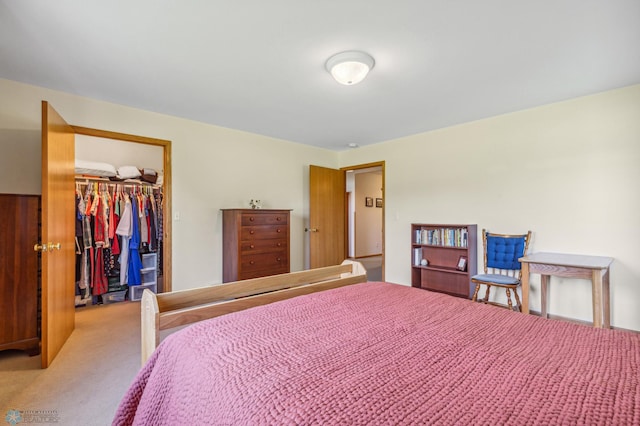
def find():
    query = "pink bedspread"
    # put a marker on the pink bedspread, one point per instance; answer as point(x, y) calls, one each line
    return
point(378, 353)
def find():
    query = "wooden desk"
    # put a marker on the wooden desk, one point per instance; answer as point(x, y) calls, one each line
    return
point(594, 268)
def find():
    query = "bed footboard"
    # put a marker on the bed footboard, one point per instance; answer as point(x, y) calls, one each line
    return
point(169, 310)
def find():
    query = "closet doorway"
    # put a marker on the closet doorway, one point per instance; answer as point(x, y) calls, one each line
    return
point(57, 225)
point(137, 147)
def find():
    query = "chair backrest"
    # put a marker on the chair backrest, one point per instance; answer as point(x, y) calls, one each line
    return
point(502, 251)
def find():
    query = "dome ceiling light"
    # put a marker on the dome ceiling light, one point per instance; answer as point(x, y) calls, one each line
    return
point(349, 67)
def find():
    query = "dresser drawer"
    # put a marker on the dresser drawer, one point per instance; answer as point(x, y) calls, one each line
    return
point(265, 261)
point(252, 233)
point(264, 246)
point(249, 219)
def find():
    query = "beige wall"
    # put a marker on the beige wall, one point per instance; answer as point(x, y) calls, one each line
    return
point(569, 172)
point(119, 153)
point(213, 168)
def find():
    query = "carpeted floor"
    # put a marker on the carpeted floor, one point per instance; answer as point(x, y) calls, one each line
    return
point(84, 384)
point(373, 265)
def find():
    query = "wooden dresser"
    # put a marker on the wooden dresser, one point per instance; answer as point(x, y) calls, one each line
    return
point(255, 243)
point(19, 220)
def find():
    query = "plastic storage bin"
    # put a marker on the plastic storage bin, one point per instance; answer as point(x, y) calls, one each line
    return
point(137, 290)
point(114, 296)
point(148, 275)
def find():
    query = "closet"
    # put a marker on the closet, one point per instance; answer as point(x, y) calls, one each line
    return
point(122, 260)
point(118, 239)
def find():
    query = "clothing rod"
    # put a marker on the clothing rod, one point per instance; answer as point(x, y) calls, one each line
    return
point(87, 180)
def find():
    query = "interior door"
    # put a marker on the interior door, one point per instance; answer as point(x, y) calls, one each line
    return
point(58, 230)
point(326, 216)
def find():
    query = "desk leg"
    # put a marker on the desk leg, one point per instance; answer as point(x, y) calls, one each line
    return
point(525, 288)
point(596, 284)
point(544, 300)
point(605, 299)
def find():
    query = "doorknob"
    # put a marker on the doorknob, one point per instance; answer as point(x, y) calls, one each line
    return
point(311, 229)
point(54, 246)
point(38, 247)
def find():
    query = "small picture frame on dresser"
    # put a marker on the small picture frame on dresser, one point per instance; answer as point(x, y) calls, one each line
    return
point(462, 264)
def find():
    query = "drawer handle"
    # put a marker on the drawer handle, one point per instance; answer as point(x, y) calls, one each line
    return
point(279, 244)
point(252, 246)
point(252, 232)
point(251, 219)
point(279, 259)
point(251, 262)
point(278, 231)
point(278, 218)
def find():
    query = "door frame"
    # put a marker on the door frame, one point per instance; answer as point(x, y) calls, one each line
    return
point(380, 164)
point(166, 190)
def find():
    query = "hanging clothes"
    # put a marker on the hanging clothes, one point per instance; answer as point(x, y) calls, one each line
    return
point(115, 223)
point(147, 220)
point(159, 232)
point(125, 229)
point(134, 276)
point(99, 282)
point(159, 214)
point(85, 243)
point(81, 286)
point(115, 208)
point(112, 217)
point(153, 236)
point(142, 221)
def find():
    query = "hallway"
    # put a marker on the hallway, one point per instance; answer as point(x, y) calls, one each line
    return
point(373, 265)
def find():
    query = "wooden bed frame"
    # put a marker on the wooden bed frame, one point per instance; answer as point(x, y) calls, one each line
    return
point(177, 308)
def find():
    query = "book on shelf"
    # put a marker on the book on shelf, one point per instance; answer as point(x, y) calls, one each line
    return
point(417, 256)
point(446, 237)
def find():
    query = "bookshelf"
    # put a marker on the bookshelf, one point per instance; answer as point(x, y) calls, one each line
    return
point(443, 246)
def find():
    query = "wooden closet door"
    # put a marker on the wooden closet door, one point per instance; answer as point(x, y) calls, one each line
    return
point(58, 231)
point(327, 217)
point(19, 272)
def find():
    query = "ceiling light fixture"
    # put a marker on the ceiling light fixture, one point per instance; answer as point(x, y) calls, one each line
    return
point(350, 67)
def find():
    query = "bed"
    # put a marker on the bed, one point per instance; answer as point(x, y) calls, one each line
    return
point(381, 353)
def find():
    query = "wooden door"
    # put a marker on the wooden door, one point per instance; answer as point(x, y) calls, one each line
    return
point(326, 216)
point(58, 230)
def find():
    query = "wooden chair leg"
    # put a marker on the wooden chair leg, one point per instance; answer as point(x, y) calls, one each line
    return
point(486, 294)
point(475, 293)
point(509, 299)
point(518, 304)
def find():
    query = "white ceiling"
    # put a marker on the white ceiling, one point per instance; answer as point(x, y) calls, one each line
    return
point(258, 65)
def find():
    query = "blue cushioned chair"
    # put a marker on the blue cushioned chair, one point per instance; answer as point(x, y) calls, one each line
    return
point(501, 265)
